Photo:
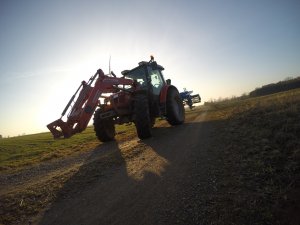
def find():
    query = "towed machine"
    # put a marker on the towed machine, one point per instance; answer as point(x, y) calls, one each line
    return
point(189, 99)
point(139, 96)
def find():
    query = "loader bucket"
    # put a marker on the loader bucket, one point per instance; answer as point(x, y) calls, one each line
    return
point(60, 128)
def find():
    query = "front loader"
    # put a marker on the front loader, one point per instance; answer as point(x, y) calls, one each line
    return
point(139, 96)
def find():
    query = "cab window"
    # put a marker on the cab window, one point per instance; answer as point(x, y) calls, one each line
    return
point(156, 81)
point(138, 75)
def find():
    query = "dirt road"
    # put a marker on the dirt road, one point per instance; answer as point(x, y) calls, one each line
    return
point(163, 181)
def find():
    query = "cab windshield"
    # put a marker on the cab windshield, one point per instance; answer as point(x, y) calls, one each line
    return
point(139, 75)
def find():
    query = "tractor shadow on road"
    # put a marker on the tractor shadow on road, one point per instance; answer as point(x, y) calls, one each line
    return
point(139, 182)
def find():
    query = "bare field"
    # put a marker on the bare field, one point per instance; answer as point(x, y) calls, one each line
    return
point(232, 162)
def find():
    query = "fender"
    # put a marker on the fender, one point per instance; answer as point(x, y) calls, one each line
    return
point(164, 93)
point(163, 98)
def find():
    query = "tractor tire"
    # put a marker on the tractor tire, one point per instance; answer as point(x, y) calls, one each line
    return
point(104, 128)
point(175, 108)
point(152, 121)
point(142, 119)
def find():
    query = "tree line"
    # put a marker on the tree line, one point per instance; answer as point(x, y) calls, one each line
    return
point(287, 84)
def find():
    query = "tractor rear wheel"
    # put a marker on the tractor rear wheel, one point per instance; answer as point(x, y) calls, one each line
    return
point(175, 108)
point(152, 121)
point(142, 119)
point(104, 128)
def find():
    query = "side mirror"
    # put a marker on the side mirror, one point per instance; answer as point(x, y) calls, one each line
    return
point(168, 81)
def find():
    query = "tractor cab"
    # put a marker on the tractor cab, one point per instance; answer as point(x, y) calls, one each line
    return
point(148, 75)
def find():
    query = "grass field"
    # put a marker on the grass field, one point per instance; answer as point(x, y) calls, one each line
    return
point(17, 152)
point(26, 150)
point(260, 153)
point(227, 108)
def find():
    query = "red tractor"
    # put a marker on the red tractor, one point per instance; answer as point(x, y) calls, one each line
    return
point(140, 96)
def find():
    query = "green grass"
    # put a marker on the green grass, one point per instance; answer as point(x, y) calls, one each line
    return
point(29, 149)
point(17, 152)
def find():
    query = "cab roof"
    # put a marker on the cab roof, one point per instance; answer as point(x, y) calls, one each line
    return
point(144, 63)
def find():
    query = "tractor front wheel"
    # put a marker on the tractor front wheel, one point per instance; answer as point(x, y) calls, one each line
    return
point(175, 108)
point(104, 128)
point(142, 119)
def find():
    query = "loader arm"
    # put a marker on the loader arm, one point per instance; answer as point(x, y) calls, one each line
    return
point(85, 104)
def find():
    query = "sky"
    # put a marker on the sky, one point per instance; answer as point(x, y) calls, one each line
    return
point(217, 48)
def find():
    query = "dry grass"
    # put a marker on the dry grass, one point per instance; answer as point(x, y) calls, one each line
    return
point(260, 153)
